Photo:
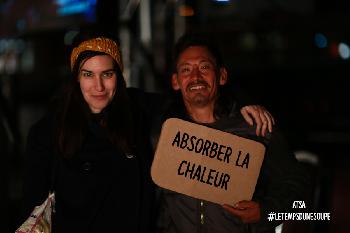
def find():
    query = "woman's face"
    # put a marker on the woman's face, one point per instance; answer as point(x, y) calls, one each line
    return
point(98, 81)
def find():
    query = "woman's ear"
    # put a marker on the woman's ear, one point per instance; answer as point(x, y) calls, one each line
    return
point(223, 76)
point(175, 82)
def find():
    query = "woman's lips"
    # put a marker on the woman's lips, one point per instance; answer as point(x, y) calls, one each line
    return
point(100, 97)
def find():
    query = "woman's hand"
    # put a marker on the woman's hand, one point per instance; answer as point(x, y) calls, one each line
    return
point(263, 119)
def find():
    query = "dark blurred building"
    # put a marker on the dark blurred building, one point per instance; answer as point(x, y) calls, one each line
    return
point(291, 56)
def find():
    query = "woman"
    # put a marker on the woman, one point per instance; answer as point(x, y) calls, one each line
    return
point(88, 152)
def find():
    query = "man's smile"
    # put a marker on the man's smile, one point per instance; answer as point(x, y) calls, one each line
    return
point(197, 87)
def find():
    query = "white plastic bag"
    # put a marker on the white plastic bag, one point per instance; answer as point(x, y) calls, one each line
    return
point(39, 220)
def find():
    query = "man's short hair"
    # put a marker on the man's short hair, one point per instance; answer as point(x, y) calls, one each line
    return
point(188, 40)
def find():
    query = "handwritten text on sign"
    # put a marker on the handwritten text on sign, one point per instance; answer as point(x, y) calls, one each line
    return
point(206, 163)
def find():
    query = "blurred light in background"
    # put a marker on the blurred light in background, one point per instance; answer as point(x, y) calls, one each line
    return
point(248, 41)
point(333, 49)
point(223, 1)
point(344, 51)
point(321, 40)
point(21, 25)
point(186, 11)
point(15, 56)
point(70, 7)
point(276, 41)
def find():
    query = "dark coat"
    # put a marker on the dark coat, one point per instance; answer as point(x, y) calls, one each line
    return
point(100, 189)
point(281, 182)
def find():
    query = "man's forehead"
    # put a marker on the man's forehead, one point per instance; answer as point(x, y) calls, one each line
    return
point(196, 53)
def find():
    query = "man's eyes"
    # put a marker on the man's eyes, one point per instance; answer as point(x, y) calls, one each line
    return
point(206, 66)
point(203, 67)
point(185, 69)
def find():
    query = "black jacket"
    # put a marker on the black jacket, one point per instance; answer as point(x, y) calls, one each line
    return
point(281, 182)
point(100, 189)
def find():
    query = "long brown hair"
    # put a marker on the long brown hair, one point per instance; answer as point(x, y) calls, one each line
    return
point(74, 115)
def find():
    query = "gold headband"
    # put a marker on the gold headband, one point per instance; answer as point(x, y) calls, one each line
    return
point(100, 44)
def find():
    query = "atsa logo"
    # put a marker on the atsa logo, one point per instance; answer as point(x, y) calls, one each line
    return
point(299, 205)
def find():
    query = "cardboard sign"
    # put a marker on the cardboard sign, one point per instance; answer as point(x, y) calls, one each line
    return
point(206, 163)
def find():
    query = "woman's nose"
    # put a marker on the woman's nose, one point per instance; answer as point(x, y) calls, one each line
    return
point(99, 84)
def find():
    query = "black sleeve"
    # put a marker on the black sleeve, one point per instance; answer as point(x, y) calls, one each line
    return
point(282, 181)
point(37, 167)
point(243, 97)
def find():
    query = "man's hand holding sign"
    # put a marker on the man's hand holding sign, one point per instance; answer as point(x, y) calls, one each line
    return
point(247, 211)
point(209, 164)
point(208, 176)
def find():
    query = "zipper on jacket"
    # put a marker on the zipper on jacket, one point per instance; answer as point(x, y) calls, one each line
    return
point(201, 227)
point(201, 212)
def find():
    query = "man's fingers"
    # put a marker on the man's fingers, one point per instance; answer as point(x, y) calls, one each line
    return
point(235, 211)
point(270, 119)
point(247, 211)
point(264, 124)
point(263, 119)
point(254, 111)
point(245, 204)
point(246, 116)
point(258, 126)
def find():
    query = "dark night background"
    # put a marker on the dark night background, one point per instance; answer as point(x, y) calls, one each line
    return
point(291, 56)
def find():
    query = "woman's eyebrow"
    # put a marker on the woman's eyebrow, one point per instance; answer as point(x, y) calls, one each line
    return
point(109, 70)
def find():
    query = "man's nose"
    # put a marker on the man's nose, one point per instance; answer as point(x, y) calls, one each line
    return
point(196, 74)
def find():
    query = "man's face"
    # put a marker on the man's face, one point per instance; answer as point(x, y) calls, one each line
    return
point(196, 77)
point(98, 82)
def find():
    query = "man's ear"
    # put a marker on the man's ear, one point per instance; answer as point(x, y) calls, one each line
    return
point(174, 82)
point(223, 76)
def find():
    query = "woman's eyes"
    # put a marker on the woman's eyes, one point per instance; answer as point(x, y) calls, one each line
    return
point(107, 74)
point(86, 74)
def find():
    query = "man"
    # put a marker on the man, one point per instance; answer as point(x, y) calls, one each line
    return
point(199, 79)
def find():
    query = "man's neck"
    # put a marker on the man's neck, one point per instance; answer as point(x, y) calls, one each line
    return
point(201, 114)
